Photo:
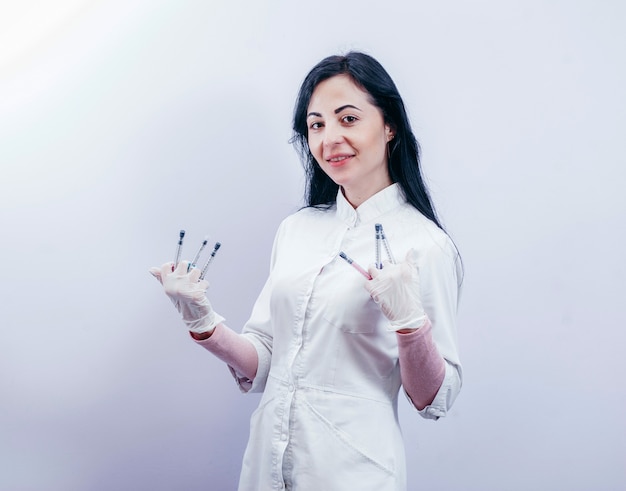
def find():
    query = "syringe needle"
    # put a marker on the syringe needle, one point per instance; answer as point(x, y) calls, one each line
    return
point(206, 266)
point(179, 249)
point(195, 259)
point(379, 237)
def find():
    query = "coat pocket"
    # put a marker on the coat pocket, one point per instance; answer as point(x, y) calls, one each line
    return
point(350, 309)
point(372, 462)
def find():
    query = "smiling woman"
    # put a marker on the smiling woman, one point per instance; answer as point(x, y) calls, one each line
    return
point(348, 137)
point(329, 348)
point(402, 149)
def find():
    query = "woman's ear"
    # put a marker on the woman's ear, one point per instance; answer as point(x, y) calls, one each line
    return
point(390, 133)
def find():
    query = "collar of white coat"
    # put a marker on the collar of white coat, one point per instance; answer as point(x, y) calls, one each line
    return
point(382, 202)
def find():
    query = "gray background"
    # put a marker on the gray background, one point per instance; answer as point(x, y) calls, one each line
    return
point(123, 121)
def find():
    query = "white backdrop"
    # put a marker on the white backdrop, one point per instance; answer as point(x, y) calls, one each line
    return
point(123, 121)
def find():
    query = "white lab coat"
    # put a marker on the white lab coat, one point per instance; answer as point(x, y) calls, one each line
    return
point(328, 365)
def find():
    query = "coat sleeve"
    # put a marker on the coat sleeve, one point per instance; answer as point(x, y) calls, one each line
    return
point(440, 274)
point(259, 330)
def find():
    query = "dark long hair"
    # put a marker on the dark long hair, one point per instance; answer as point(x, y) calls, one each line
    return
point(404, 153)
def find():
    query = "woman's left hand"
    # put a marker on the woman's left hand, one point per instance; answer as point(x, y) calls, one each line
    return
point(396, 289)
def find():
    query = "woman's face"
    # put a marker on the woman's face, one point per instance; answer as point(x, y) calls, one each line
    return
point(348, 137)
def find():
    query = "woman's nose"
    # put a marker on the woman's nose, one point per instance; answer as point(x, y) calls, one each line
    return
point(333, 134)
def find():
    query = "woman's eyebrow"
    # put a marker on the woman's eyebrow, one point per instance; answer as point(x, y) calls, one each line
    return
point(337, 111)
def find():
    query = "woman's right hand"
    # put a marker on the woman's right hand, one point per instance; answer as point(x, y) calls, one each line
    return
point(396, 288)
point(188, 294)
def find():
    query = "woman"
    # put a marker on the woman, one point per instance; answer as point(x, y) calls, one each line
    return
point(329, 348)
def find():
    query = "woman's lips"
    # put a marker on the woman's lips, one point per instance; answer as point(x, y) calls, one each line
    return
point(338, 160)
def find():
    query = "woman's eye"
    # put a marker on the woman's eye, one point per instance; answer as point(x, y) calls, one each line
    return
point(349, 119)
point(315, 125)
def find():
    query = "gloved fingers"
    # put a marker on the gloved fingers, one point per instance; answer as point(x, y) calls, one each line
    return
point(373, 285)
point(166, 269)
point(373, 271)
point(378, 285)
point(411, 271)
point(391, 272)
point(374, 296)
point(182, 268)
point(376, 291)
point(387, 263)
point(203, 285)
point(156, 272)
point(194, 275)
point(392, 278)
point(198, 294)
point(369, 284)
point(412, 257)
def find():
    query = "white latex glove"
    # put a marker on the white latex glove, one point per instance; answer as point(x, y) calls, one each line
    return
point(188, 296)
point(396, 289)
